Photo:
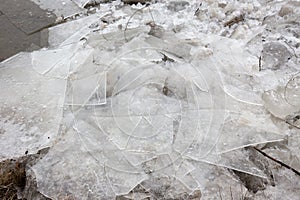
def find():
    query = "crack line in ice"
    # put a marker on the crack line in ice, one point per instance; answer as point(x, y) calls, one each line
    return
point(130, 135)
point(249, 145)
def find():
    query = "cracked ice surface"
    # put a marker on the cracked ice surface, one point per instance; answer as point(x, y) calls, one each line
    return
point(136, 106)
point(108, 140)
point(108, 145)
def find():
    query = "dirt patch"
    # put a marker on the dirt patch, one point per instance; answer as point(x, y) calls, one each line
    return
point(16, 181)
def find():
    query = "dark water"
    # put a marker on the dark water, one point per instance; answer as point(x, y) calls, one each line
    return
point(23, 27)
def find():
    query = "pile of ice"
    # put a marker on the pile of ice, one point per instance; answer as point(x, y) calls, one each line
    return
point(165, 95)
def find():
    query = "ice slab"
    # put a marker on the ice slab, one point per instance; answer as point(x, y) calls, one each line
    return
point(246, 128)
point(53, 63)
point(82, 94)
point(31, 109)
point(73, 31)
point(105, 172)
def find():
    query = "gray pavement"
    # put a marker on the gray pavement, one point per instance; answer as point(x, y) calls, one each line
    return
point(23, 26)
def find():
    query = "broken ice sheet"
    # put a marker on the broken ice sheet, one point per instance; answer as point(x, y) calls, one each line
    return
point(236, 160)
point(247, 128)
point(138, 123)
point(114, 40)
point(288, 153)
point(85, 155)
point(134, 74)
point(86, 91)
point(62, 172)
point(214, 180)
point(237, 71)
point(158, 104)
point(241, 87)
point(72, 31)
point(284, 100)
point(52, 62)
point(31, 109)
point(198, 132)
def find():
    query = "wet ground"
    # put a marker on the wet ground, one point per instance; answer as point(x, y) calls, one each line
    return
point(23, 27)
